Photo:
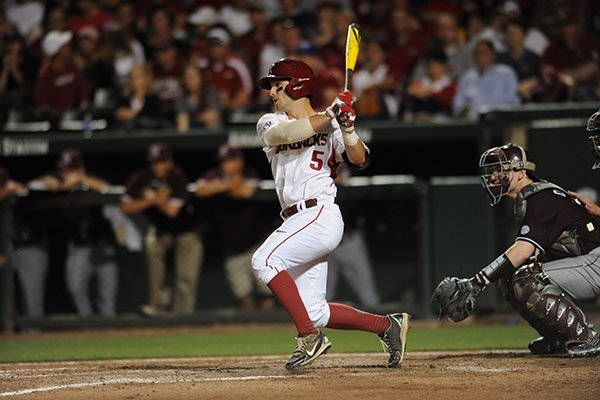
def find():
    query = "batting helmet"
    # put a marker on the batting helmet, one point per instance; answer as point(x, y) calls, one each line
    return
point(593, 126)
point(301, 76)
point(497, 164)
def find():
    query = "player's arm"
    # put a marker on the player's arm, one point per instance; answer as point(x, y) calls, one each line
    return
point(132, 206)
point(292, 131)
point(171, 208)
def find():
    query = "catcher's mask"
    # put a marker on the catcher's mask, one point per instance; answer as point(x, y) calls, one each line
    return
point(497, 166)
point(593, 127)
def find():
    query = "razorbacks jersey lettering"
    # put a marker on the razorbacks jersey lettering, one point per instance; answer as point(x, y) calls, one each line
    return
point(304, 169)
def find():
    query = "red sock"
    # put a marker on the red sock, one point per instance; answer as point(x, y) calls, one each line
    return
point(346, 317)
point(286, 291)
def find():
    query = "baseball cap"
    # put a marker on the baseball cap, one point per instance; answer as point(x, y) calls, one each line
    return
point(54, 40)
point(206, 15)
point(4, 177)
point(307, 48)
point(158, 151)
point(70, 159)
point(218, 36)
point(90, 32)
point(226, 152)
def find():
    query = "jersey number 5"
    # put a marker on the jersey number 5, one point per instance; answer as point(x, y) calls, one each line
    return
point(316, 163)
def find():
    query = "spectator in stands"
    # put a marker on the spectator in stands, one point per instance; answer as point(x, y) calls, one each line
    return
point(18, 70)
point(126, 18)
point(227, 73)
point(90, 14)
point(90, 242)
point(160, 192)
point(236, 17)
point(328, 80)
point(406, 46)
point(486, 85)
point(325, 32)
point(273, 50)
point(198, 106)
point(160, 30)
point(292, 10)
point(126, 53)
point(333, 52)
point(570, 64)
point(231, 185)
point(59, 87)
point(140, 107)
point(8, 188)
point(525, 63)
point(202, 19)
point(447, 38)
point(253, 41)
point(96, 67)
point(373, 84)
point(27, 17)
point(431, 97)
point(56, 19)
point(167, 70)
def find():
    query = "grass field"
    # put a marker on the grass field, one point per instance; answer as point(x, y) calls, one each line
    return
point(149, 344)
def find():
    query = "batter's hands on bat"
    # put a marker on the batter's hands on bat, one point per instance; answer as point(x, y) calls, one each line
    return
point(341, 100)
point(346, 118)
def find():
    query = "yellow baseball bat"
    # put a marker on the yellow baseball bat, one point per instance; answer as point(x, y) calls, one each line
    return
point(352, 47)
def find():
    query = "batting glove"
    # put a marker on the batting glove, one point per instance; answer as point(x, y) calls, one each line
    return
point(341, 100)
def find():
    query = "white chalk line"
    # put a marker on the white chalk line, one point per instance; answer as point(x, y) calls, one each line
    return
point(477, 368)
point(109, 381)
point(114, 381)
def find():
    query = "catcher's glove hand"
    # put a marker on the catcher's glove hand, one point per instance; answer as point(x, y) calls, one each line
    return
point(456, 298)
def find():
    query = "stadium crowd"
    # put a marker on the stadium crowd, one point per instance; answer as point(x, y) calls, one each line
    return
point(193, 63)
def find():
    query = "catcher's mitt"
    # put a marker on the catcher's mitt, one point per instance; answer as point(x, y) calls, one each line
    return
point(456, 298)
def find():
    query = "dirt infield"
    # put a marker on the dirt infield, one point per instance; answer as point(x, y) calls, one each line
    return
point(433, 375)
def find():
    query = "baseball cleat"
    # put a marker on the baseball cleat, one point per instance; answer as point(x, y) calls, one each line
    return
point(394, 338)
point(588, 348)
point(543, 346)
point(308, 349)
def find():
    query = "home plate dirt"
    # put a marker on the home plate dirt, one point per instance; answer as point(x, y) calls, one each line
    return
point(438, 375)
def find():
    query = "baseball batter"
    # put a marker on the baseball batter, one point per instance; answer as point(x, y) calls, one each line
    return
point(304, 148)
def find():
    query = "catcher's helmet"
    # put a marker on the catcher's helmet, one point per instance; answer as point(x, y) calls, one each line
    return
point(301, 76)
point(497, 164)
point(593, 126)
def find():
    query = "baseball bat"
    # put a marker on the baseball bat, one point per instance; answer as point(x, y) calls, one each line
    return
point(352, 47)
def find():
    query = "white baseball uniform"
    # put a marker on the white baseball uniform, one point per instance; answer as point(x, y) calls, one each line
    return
point(303, 170)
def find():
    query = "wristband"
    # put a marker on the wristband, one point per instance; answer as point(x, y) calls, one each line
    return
point(350, 137)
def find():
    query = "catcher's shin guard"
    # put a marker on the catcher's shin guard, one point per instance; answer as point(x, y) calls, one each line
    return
point(508, 292)
point(547, 302)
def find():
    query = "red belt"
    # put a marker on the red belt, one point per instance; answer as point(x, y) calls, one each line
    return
point(293, 209)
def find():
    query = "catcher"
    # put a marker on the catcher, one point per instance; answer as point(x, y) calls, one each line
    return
point(554, 260)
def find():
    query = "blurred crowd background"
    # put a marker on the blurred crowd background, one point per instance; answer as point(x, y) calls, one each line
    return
point(193, 63)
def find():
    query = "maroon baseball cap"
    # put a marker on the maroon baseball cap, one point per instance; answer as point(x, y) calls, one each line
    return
point(4, 177)
point(226, 152)
point(70, 159)
point(158, 151)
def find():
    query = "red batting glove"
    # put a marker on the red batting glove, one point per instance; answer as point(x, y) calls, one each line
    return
point(345, 97)
point(346, 116)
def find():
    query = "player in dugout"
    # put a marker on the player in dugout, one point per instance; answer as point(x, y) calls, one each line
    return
point(304, 148)
point(554, 261)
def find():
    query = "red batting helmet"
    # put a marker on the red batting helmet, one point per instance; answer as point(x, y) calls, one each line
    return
point(301, 77)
